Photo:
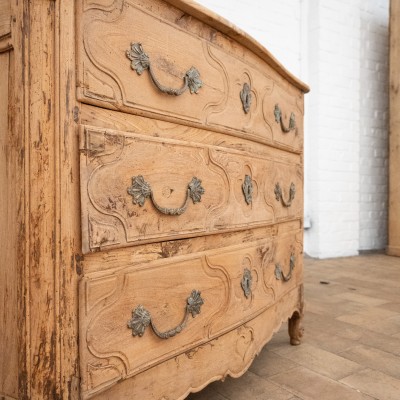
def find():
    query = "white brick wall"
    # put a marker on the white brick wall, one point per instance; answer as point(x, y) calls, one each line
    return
point(340, 49)
point(332, 145)
point(374, 125)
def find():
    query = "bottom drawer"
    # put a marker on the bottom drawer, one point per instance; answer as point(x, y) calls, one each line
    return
point(229, 354)
point(135, 318)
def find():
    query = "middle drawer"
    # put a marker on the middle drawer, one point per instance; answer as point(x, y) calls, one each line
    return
point(140, 189)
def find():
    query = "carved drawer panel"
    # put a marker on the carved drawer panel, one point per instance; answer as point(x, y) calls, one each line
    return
point(146, 58)
point(283, 265)
point(137, 317)
point(138, 189)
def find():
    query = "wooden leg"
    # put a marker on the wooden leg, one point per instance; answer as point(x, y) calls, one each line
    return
point(296, 331)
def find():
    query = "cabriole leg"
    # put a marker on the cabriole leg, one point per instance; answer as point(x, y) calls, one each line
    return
point(296, 331)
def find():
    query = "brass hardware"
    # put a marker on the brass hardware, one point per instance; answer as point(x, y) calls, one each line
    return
point(279, 196)
point(141, 318)
point(245, 97)
point(140, 61)
point(279, 273)
point(141, 190)
point(246, 282)
point(247, 188)
point(278, 119)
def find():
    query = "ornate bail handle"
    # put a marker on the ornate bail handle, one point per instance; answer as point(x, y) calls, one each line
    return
point(279, 196)
point(141, 61)
point(279, 273)
point(278, 119)
point(141, 190)
point(141, 318)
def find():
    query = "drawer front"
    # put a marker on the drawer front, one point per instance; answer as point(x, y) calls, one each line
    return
point(137, 317)
point(235, 91)
point(138, 189)
point(283, 265)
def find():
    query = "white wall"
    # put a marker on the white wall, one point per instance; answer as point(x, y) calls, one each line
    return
point(340, 49)
point(374, 124)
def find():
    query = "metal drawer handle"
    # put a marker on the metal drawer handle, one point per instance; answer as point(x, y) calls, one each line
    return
point(279, 273)
point(245, 97)
point(247, 280)
point(141, 61)
point(141, 318)
point(278, 119)
point(247, 188)
point(279, 196)
point(141, 190)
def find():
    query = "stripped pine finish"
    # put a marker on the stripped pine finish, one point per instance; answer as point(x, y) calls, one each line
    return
point(152, 159)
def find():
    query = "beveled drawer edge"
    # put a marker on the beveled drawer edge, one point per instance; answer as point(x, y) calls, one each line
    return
point(141, 254)
point(190, 123)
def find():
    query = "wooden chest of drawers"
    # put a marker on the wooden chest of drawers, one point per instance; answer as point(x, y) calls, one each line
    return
point(153, 159)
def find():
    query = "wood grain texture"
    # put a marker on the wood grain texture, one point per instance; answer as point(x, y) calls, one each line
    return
point(38, 161)
point(62, 81)
point(68, 268)
point(394, 132)
point(18, 132)
point(107, 301)
point(143, 253)
point(9, 235)
point(111, 159)
point(242, 344)
point(106, 78)
point(41, 218)
point(115, 120)
point(5, 18)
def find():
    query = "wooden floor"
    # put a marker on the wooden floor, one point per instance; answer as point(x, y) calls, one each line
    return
point(351, 347)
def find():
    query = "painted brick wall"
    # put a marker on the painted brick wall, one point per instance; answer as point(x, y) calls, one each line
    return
point(340, 49)
point(374, 125)
point(332, 147)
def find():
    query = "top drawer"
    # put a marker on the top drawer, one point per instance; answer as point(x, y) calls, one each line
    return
point(150, 59)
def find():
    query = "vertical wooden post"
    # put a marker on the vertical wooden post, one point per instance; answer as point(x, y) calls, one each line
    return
point(40, 131)
point(394, 131)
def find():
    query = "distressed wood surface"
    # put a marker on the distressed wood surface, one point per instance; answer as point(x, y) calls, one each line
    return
point(41, 214)
point(5, 18)
point(68, 267)
point(394, 132)
point(173, 45)
point(109, 353)
point(10, 202)
point(135, 256)
point(110, 160)
point(115, 120)
point(45, 275)
point(241, 344)
point(40, 264)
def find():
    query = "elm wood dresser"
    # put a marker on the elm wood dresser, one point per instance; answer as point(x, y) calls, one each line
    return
point(152, 156)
